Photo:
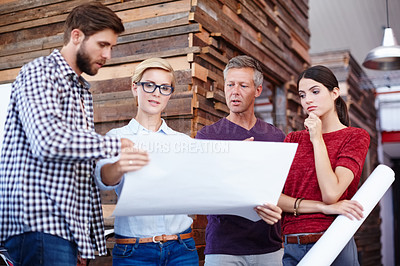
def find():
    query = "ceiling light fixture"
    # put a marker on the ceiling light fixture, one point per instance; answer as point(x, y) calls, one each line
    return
point(387, 56)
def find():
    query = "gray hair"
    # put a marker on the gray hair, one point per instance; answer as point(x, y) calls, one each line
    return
point(243, 61)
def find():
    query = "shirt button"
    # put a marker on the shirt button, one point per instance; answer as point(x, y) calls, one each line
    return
point(87, 228)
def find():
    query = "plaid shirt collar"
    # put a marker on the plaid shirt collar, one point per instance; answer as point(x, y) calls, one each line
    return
point(67, 71)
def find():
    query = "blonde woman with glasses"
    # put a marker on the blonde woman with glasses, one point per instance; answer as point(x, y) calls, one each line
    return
point(147, 240)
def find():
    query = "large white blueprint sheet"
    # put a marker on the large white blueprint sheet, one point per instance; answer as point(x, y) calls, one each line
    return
point(191, 176)
point(328, 247)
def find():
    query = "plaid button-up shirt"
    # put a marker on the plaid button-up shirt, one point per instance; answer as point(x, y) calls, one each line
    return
point(47, 158)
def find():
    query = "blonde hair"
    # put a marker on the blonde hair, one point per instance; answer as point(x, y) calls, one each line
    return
point(153, 63)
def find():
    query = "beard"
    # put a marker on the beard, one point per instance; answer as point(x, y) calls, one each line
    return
point(83, 61)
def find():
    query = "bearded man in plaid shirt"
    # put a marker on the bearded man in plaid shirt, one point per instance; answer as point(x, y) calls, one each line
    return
point(50, 210)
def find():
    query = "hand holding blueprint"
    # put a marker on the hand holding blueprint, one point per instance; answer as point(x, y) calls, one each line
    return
point(190, 176)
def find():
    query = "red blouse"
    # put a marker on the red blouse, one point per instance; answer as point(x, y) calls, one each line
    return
point(347, 147)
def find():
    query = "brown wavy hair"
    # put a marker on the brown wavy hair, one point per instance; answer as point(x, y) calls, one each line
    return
point(91, 18)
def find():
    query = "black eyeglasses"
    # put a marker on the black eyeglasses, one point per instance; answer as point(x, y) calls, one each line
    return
point(150, 87)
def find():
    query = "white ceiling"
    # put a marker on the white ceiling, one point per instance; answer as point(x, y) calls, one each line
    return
point(355, 25)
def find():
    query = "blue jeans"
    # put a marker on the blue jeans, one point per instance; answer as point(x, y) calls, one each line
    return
point(293, 253)
point(37, 248)
point(181, 252)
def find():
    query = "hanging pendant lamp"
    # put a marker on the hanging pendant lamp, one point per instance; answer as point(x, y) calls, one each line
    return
point(387, 56)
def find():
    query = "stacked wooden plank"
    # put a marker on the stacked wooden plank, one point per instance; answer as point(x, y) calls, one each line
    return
point(197, 37)
point(359, 93)
point(274, 32)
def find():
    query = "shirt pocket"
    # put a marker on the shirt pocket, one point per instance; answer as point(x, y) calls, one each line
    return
point(123, 250)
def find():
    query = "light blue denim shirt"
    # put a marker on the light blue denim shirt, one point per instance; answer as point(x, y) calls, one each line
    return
point(142, 226)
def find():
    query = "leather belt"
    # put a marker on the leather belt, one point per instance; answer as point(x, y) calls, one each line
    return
point(154, 239)
point(302, 239)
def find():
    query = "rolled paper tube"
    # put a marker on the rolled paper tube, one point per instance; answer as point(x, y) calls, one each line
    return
point(328, 247)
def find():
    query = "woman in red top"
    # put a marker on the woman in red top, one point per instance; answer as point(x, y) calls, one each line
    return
point(325, 171)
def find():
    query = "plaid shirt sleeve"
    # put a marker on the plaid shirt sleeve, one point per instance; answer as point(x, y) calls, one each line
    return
point(47, 110)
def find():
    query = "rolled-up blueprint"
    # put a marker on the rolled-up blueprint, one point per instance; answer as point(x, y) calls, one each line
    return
point(328, 247)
